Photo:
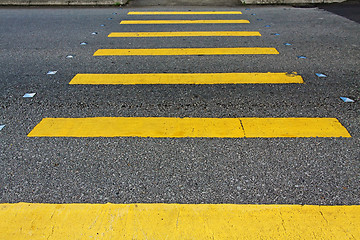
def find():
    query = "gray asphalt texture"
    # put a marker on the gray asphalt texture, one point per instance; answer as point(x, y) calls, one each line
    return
point(323, 171)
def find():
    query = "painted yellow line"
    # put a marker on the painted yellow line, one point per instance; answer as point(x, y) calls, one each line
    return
point(185, 13)
point(182, 21)
point(161, 127)
point(185, 34)
point(187, 78)
point(293, 127)
point(22, 221)
point(184, 51)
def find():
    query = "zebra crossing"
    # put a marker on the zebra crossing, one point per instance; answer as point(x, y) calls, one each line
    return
point(183, 221)
point(211, 127)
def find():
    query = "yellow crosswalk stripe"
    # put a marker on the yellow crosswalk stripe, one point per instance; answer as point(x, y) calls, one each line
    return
point(186, 34)
point(162, 127)
point(182, 21)
point(185, 51)
point(178, 221)
point(185, 13)
point(188, 78)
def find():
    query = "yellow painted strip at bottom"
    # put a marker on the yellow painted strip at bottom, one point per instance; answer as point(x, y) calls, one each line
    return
point(183, 21)
point(178, 221)
point(187, 78)
point(161, 127)
point(185, 13)
point(186, 34)
point(185, 51)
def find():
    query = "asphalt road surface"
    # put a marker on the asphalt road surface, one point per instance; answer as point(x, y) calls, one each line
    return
point(310, 170)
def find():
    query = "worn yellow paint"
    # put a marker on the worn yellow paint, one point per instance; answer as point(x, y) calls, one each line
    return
point(182, 21)
point(184, 51)
point(185, 34)
point(160, 127)
point(137, 127)
point(187, 78)
point(24, 221)
point(293, 127)
point(185, 13)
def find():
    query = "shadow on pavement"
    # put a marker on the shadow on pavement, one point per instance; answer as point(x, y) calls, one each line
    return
point(349, 9)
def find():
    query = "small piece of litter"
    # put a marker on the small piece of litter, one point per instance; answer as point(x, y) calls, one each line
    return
point(51, 72)
point(253, 14)
point(83, 43)
point(29, 95)
point(287, 44)
point(114, 13)
point(259, 19)
point(301, 57)
point(69, 56)
point(109, 19)
point(320, 75)
point(247, 8)
point(102, 25)
point(276, 34)
point(345, 99)
point(267, 26)
point(1, 127)
point(94, 33)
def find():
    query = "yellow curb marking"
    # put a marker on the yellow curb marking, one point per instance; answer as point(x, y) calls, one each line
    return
point(185, 34)
point(177, 221)
point(184, 51)
point(163, 127)
point(188, 78)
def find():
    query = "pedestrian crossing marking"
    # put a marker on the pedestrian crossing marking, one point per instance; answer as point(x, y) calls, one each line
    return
point(178, 221)
point(293, 127)
point(163, 127)
point(185, 13)
point(182, 21)
point(185, 51)
point(188, 78)
point(185, 34)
